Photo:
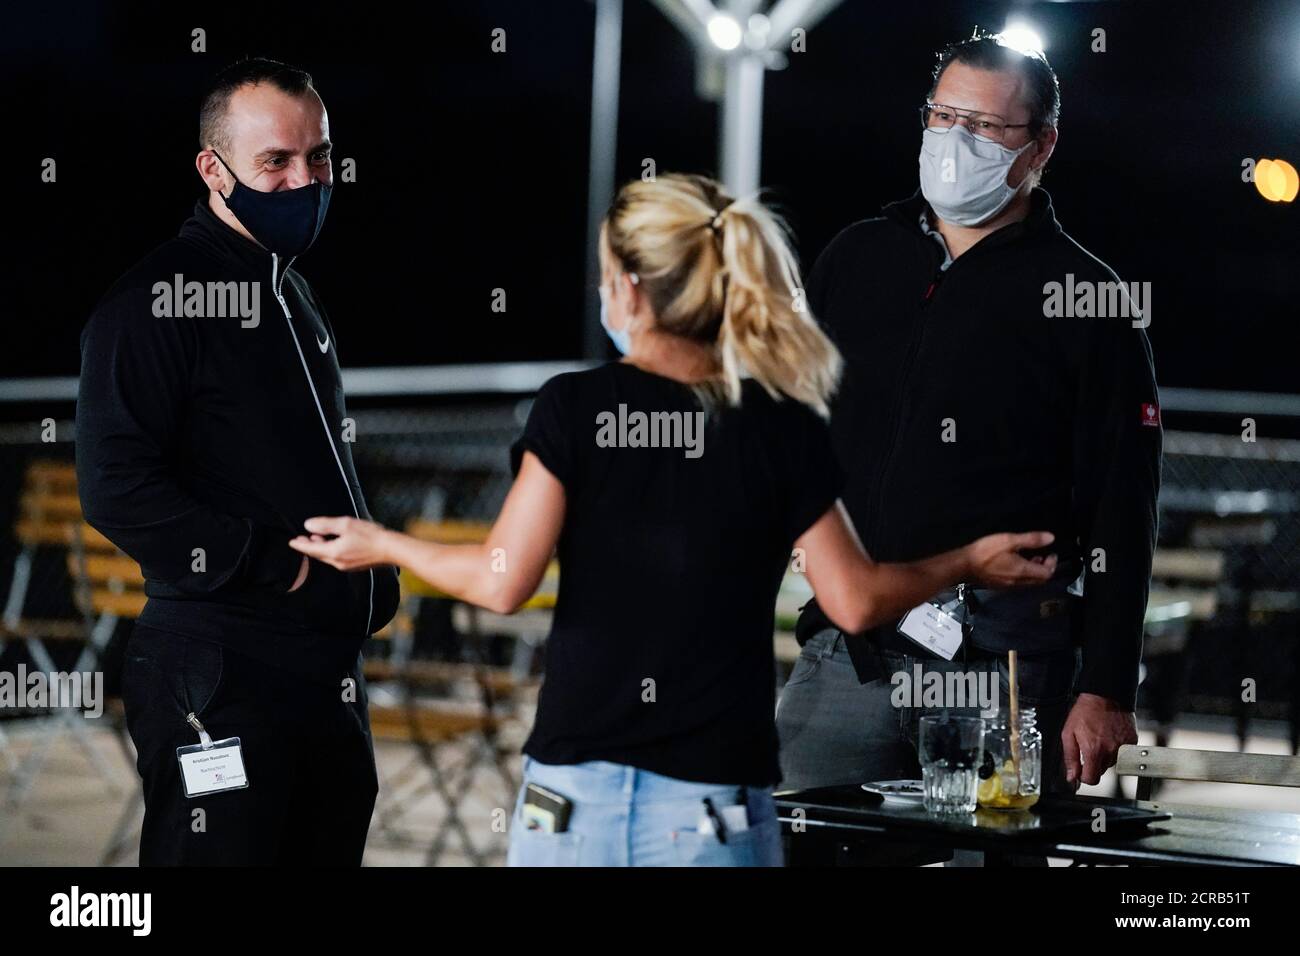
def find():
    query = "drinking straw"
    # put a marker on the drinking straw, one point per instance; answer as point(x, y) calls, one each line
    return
point(1014, 729)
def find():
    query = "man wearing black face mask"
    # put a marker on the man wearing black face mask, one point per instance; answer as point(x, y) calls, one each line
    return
point(210, 424)
point(288, 219)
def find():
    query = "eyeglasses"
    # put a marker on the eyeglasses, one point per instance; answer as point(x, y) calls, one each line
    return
point(988, 126)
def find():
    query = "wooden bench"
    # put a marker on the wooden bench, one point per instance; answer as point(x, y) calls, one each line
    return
point(1150, 764)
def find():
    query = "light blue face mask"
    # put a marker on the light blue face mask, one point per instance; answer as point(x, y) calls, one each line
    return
point(622, 338)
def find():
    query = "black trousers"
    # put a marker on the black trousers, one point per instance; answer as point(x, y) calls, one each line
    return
point(307, 752)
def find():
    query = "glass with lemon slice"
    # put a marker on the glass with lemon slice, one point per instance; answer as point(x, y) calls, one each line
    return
point(1010, 776)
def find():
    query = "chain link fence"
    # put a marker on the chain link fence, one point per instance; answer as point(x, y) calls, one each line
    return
point(1241, 499)
point(451, 461)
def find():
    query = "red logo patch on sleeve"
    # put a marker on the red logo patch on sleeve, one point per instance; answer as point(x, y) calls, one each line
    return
point(1151, 414)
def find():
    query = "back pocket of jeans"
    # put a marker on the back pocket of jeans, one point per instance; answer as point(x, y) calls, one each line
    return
point(541, 848)
point(749, 847)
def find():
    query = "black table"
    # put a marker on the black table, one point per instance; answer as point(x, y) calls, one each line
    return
point(844, 825)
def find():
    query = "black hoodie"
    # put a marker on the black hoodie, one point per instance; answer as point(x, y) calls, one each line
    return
point(203, 443)
point(1051, 423)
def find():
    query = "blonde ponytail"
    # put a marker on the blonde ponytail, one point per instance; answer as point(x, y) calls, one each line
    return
point(767, 329)
point(721, 271)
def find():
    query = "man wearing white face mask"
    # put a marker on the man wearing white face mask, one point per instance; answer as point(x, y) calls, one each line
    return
point(968, 405)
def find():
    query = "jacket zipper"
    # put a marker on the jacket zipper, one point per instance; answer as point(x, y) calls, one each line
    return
point(877, 512)
point(877, 515)
point(276, 278)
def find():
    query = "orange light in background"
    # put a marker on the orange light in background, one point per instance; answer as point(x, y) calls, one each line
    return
point(1292, 179)
point(1276, 180)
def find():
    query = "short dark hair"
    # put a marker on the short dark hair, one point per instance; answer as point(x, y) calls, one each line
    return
point(246, 72)
point(987, 51)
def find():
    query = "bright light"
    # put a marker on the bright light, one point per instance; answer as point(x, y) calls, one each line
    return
point(724, 31)
point(1276, 180)
point(1292, 187)
point(759, 27)
point(1022, 38)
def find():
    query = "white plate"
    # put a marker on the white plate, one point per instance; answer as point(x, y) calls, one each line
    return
point(896, 791)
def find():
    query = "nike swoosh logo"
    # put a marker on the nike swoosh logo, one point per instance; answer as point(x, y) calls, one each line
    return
point(324, 344)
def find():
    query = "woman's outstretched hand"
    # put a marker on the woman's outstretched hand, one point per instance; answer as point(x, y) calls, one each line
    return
point(356, 544)
point(995, 560)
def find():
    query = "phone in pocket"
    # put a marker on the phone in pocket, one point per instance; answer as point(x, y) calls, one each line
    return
point(546, 810)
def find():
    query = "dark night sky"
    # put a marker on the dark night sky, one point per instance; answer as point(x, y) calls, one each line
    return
point(472, 166)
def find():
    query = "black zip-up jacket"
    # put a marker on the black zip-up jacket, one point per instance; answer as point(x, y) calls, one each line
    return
point(1055, 420)
point(203, 443)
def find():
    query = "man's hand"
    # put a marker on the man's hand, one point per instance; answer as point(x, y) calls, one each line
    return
point(1093, 733)
point(302, 574)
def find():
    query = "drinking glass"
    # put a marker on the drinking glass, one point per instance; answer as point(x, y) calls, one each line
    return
point(951, 751)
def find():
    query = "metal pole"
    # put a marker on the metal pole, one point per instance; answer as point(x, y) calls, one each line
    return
point(601, 158)
point(742, 125)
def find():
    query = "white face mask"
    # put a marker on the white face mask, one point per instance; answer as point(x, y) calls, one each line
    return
point(622, 338)
point(964, 177)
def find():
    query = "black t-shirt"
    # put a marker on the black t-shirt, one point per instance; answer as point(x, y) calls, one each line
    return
point(660, 654)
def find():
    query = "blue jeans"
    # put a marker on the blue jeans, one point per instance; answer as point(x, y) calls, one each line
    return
point(623, 816)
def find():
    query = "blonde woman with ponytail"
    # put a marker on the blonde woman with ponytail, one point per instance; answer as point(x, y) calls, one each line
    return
point(674, 484)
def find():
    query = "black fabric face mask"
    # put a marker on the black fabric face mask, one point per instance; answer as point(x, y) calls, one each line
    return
point(287, 221)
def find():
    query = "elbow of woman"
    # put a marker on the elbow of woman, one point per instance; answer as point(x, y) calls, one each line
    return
point(504, 596)
point(501, 601)
point(858, 614)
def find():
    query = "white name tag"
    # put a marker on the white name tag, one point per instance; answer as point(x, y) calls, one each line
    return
point(934, 629)
point(214, 770)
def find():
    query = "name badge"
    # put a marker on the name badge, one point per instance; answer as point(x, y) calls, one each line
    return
point(212, 769)
point(933, 628)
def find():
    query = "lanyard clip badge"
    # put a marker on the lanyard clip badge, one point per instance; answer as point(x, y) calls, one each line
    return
point(204, 737)
point(963, 600)
point(210, 766)
point(936, 626)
